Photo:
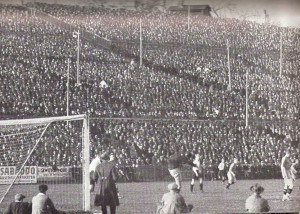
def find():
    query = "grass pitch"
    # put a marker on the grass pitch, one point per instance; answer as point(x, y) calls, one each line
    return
point(140, 198)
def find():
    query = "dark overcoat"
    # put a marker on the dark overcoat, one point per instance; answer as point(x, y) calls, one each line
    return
point(104, 179)
point(19, 208)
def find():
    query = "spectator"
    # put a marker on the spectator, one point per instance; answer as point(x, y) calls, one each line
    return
point(172, 202)
point(255, 203)
point(42, 204)
point(18, 206)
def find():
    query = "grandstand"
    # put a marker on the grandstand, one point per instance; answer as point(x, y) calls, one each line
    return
point(180, 96)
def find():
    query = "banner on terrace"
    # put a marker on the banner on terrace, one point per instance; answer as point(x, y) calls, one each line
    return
point(28, 175)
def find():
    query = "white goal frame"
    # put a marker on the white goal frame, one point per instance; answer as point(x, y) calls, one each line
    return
point(85, 148)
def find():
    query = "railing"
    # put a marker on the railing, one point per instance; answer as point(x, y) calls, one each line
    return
point(85, 34)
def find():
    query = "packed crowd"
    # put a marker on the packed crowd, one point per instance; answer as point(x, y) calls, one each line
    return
point(184, 76)
point(183, 83)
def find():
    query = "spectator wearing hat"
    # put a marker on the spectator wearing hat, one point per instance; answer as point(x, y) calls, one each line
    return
point(41, 203)
point(255, 203)
point(19, 206)
point(172, 202)
point(106, 193)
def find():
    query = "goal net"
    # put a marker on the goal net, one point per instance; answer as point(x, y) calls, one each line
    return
point(52, 151)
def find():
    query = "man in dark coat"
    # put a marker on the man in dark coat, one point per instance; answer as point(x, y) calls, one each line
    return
point(106, 193)
point(18, 206)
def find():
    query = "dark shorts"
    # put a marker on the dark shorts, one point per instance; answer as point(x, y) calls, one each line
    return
point(200, 175)
point(222, 173)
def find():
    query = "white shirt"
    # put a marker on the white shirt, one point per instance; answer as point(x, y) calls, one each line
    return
point(221, 166)
point(286, 167)
point(232, 168)
point(103, 84)
point(293, 171)
point(95, 162)
point(197, 163)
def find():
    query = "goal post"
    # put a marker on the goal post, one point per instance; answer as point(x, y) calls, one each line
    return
point(86, 163)
point(56, 151)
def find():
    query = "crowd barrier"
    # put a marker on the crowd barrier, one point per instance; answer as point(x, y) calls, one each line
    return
point(155, 173)
point(143, 173)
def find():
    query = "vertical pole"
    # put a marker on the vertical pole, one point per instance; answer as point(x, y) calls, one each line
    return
point(247, 86)
point(68, 86)
point(78, 52)
point(141, 45)
point(85, 165)
point(228, 65)
point(280, 60)
point(33, 9)
point(189, 11)
point(87, 100)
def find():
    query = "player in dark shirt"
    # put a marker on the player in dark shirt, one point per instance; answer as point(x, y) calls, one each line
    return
point(174, 163)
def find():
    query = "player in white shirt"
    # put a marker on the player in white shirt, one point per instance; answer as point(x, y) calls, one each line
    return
point(288, 173)
point(197, 173)
point(294, 168)
point(221, 168)
point(231, 173)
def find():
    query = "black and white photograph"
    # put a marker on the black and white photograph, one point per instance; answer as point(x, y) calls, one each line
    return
point(149, 106)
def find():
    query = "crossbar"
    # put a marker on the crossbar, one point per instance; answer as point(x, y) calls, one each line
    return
point(41, 120)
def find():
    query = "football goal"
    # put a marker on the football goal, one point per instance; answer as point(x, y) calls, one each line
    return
point(53, 151)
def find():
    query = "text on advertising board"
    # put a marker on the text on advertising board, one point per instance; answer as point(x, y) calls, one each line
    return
point(11, 170)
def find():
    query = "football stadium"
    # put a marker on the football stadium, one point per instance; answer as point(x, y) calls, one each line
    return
point(148, 106)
